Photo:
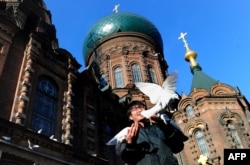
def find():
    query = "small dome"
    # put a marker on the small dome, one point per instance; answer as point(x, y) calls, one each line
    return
point(120, 22)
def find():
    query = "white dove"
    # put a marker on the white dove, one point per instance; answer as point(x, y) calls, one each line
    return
point(158, 95)
point(32, 146)
point(119, 137)
point(39, 131)
point(52, 137)
point(6, 138)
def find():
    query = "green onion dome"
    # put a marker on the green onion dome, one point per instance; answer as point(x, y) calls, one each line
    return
point(120, 22)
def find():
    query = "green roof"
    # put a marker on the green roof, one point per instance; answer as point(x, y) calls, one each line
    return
point(120, 22)
point(201, 80)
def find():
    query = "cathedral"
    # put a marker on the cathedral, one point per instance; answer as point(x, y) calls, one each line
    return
point(52, 113)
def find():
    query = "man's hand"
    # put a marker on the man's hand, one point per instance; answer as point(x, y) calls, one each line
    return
point(132, 133)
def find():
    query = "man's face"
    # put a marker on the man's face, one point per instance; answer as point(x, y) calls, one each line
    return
point(135, 113)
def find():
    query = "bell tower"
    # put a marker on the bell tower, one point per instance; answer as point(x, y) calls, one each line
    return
point(214, 115)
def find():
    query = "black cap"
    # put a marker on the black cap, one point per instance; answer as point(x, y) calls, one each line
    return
point(132, 103)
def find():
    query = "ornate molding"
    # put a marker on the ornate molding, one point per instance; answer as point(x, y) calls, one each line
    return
point(128, 48)
point(222, 89)
point(228, 115)
point(199, 93)
point(184, 103)
point(194, 124)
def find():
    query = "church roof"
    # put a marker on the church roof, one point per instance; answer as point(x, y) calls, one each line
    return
point(201, 80)
point(120, 22)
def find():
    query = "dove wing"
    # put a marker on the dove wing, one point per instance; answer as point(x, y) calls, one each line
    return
point(169, 85)
point(169, 88)
point(118, 137)
point(158, 95)
point(153, 91)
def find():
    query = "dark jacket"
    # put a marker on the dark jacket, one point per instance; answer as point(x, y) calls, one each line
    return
point(153, 147)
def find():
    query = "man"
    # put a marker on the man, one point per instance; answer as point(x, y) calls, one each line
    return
point(148, 141)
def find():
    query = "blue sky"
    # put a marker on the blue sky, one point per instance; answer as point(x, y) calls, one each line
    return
point(218, 30)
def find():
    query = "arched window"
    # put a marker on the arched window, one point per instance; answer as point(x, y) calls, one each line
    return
point(136, 73)
point(118, 77)
point(44, 109)
point(201, 141)
point(190, 111)
point(152, 76)
point(234, 135)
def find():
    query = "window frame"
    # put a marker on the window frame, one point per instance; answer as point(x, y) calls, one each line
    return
point(152, 75)
point(118, 77)
point(201, 142)
point(46, 96)
point(136, 72)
